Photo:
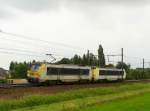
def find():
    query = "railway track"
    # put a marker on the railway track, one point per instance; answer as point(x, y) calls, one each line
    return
point(14, 85)
point(30, 85)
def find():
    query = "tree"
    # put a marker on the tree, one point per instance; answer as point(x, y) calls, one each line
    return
point(64, 61)
point(94, 60)
point(124, 66)
point(12, 64)
point(76, 59)
point(88, 57)
point(84, 60)
point(101, 57)
point(19, 70)
point(110, 66)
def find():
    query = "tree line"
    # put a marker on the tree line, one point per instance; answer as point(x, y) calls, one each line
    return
point(88, 59)
point(19, 69)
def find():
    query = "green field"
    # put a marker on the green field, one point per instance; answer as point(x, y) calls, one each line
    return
point(138, 103)
point(119, 97)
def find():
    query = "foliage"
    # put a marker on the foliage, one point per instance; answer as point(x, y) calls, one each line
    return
point(65, 61)
point(124, 66)
point(109, 66)
point(101, 57)
point(88, 59)
point(76, 59)
point(134, 73)
point(3, 81)
point(138, 74)
point(19, 70)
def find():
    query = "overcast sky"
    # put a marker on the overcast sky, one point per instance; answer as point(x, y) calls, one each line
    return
point(80, 24)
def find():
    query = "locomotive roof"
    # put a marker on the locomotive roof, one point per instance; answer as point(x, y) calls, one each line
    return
point(68, 66)
point(111, 69)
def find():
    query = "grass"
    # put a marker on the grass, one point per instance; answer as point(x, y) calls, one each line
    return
point(77, 104)
point(138, 103)
point(74, 99)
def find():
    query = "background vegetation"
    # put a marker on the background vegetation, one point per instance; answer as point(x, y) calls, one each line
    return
point(19, 70)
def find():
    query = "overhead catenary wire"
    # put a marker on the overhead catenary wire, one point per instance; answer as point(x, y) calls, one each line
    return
point(23, 43)
point(26, 54)
point(131, 57)
point(48, 43)
point(26, 51)
point(44, 41)
point(23, 52)
point(19, 50)
point(17, 53)
point(55, 43)
point(26, 44)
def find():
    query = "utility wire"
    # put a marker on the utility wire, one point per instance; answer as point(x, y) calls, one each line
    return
point(19, 50)
point(24, 54)
point(16, 53)
point(25, 43)
point(56, 43)
point(25, 51)
point(44, 41)
point(29, 51)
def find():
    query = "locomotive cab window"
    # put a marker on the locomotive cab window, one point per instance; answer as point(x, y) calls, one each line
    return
point(52, 71)
point(67, 71)
point(35, 67)
point(102, 72)
point(110, 72)
point(84, 71)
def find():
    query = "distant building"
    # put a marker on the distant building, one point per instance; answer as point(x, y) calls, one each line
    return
point(3, 73)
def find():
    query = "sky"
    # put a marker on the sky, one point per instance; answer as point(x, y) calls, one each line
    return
point(67, 27)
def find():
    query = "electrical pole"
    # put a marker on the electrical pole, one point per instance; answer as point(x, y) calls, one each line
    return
point(143, 68)
point(122, 58)
point(122, 61)
point(88, 57)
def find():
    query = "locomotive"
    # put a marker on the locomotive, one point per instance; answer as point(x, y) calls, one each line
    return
point(52, 73)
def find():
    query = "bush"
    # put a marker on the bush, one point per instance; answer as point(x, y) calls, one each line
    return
point(138, 74)
point(3, 81)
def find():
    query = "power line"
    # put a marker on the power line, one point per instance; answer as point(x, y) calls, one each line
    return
point(31, 44)
point(16, 53)
point(24, 54)
point(30, 47)
point(18, 50)
point(44, 41)
point(133, 57)
point(49, 42)
point(11, 50)
point(21, 42)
